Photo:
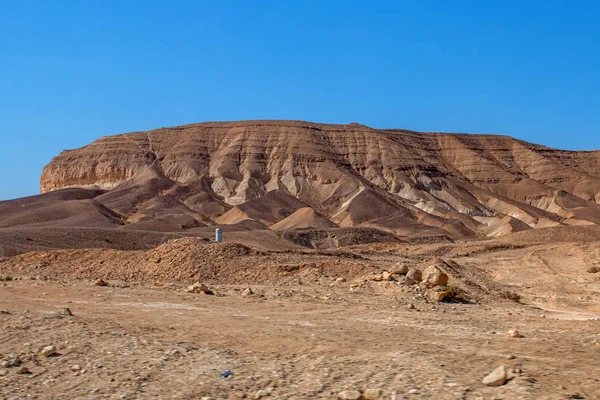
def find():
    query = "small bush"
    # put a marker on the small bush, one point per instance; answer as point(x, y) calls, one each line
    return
point(593, 270)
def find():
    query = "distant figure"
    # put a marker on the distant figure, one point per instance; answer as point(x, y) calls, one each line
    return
point(218, 235)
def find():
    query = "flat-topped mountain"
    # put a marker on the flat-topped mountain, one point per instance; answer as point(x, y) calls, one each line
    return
point(286, 175)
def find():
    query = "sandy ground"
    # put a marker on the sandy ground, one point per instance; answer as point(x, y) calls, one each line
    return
point(313, 340)
point(138, 342)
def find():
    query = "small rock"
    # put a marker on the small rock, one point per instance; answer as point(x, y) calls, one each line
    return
point(23, 371)
point(413, 391)
point(415, 274)
point(75, 368)
point(100, 282)
point(513, 333)
point(349, 395)
point(199, 288)
point(433, 276)
point(65, 312)
point(5, 364)
point(510, 357)
point(386, 276)
point(496, 378)
point(372, 394)
point(340, 279)
point(49, 351)
point(401, 269)
point(438, 296)
point(15, 361)
point(247, 292)
point(411, 306)
point(260, 394)
point(3, 372)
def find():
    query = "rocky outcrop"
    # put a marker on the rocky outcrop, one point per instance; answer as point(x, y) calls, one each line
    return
point(403, 182)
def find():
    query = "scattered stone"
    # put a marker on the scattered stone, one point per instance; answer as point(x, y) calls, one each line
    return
point(100, 282)
point(23, 371)
point(510, 357)
point(438, 296)
point(410, 306)
point(247, 292)
point(15, 361)
point(372, 394)
point(3, 372)
point(495, 378)
point(349, 395)
point(75, 368)
point(386, 276)
point(49, 351)
point(340, 279)
point(413, 391)
point(260, 394)
point(433, 276)
point(199, 288)
point(4, 312)
point(401, 269)
point(414, 275)
point(513, 333)
point(5, 364)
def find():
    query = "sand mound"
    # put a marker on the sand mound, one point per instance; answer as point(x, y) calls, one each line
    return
point(268, 209)
point(302, 219)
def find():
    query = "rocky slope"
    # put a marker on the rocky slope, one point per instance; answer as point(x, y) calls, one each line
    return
point(261, 173)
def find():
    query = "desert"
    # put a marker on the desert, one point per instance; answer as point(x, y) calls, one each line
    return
point(356, 263)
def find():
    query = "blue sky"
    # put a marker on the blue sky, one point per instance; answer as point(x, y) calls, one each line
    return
point(72, 71)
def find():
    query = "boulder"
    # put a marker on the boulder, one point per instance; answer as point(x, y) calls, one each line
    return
point(401, 269)
point(199, 288)
point(434, 276)
point(495, 378)
point(414, 275)
point(438, 295)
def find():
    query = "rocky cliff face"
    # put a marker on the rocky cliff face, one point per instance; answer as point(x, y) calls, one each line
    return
point(404, 182)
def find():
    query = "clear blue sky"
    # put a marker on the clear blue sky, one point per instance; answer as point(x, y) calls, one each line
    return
point(72, 71)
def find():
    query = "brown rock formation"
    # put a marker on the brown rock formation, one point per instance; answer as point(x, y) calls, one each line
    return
point(404, 182)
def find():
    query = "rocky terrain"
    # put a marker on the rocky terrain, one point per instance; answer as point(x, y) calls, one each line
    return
point(286, 175)
point(357, 263)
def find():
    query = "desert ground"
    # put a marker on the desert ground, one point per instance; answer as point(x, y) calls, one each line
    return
point(314, 324)
point(358, 263)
